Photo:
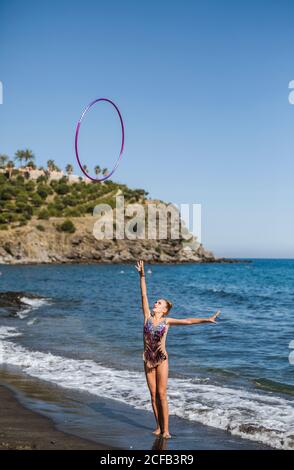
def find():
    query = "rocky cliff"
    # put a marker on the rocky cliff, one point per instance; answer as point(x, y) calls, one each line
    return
point(27, 244)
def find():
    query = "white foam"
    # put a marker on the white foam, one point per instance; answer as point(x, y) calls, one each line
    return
point(8, 332)
point(23, 314)
point(271, 417)
point(35, 303)
point(32, 305)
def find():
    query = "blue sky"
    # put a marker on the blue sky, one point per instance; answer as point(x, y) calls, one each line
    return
point(203, 89)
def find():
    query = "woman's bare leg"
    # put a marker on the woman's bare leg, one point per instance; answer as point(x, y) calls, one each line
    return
point(151, 382)
point(159, 413)
point(161, 387)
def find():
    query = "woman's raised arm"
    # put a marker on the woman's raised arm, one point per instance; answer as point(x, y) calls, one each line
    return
point(192, 321)
point(145, 304)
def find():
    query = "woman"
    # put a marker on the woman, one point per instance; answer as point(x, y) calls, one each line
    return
point(155, 356)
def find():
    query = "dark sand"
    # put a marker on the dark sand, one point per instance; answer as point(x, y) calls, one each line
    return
point(22, 429)
point(38, 415)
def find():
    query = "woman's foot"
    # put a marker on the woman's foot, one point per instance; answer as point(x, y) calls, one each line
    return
point(166, 435)
point(157, 431)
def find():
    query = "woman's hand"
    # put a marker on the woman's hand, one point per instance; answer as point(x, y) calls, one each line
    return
point(145, 305)
point(213, 318)
point(140, 267)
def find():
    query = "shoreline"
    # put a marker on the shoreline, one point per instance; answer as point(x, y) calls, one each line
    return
point(38, 415)
point(23, 429)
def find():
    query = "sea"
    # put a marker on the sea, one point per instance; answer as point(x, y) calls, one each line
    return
point(80, 327)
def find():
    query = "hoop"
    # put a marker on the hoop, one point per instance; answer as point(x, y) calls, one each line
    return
point(122, 139)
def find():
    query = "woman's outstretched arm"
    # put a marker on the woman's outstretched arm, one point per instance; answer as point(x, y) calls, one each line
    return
point(145, 304)
point(192, 321)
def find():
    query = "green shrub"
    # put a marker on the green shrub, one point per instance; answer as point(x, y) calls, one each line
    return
point(81, 209)
point(55, 209)
point(89, 209)
point(106, 200)
point(28, 210)
point(53, 212)
point(70, 200)
point(3, 227)
point(9, 206)
point(66, 226)
point(10, 217)
point(7, 192)
point(57, 204)
point(44, 214)
point(27, 216)
point(3, 219)
point(62, 188)
point(30, 186)
point(40, 227)
point(21, 197)
point(42, 191)
point(42, 179)
point(20, 179)
point(20, 206)
point(37, 201)
point(23, 222)
point(72, 212)
point(15, 217)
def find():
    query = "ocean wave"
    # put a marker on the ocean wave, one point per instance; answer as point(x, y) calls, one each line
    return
point(237, 296)
point(8, 332)
point(274, 386)
point(20, 304)
point(33, 304)
point(256, 416)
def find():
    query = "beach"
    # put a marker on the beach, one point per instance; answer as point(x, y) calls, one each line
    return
point(71, 351)
point(29, 422)
point(22, 429)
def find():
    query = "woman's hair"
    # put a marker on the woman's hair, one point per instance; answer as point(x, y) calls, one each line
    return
point(168, 304)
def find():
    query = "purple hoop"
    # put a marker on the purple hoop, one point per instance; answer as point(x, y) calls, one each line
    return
point(122, 139)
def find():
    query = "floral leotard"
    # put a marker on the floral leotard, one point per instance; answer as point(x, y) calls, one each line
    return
point(154, 342)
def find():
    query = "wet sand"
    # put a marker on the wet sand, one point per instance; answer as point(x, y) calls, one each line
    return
point(22, 429)
point(38, 415)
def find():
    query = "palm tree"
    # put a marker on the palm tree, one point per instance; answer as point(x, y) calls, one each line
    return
point(69, 169)
point(26, 155)
point(29, 156)
point(97, 170)
point(3, 160)
point(19, 156)
point(85, 167)
point(105, 172)
point(9, 167)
